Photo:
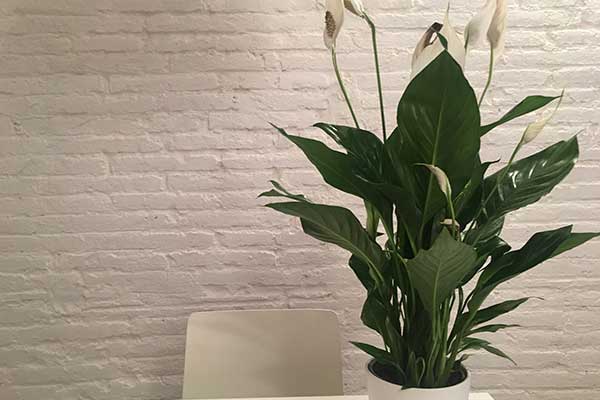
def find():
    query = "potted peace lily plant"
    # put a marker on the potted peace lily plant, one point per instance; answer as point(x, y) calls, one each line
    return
point(439, 210)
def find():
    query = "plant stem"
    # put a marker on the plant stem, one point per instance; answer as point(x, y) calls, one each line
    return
point(378, 71)
point(341, 82)
point(489, 79)
point(497, 186)
point(455, 229)
point(448, 304)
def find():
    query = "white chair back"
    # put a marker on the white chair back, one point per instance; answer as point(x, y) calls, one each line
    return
point(268, 353)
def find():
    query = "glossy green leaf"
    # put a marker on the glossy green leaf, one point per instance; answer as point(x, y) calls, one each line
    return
point(531, 178)
point(484, 315)
point(469, 200)
point(494, 247)
point(530, 104)
point(340, 171)
point(374, 313)
point(396, 343)
point(538, 249)
point(335, 167)
point(363, 146)
point(361, 269)
point(487, 314)
point(480, 344)
point(280, 191)
point(492, 328)
point(438, 124)
point(574, 240)
point(497, 352)
point(416, 369)
point(335, 225)
point(406, 209)
point(372, 220)
point(526, 182)
point(436, 272)
point(378, 354)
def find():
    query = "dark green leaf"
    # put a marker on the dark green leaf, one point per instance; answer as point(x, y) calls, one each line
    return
point(363, 146)
point(438, 124)
point(374, 313)
point(396, 341)
point(530, 104)
point(494, 248)
point(406, 209)
point(469, 201)
point(492, 312)
point(362, 271)
point(483, 234)
point(538, 249)
point(415, 369)
point(372, 220)
point(492, 328)
point(436, 272)
point(480, 344)
point(280, 191)
point(442, 40)
point(335, 167)
point(531, 178)
point(573, 241)
point(526, 182)
point(378, 354)
point(335, 225)
point(472, 343)
point(339, 170)
point(497, 352)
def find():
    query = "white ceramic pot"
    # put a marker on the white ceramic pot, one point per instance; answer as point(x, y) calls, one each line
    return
point(382, 390)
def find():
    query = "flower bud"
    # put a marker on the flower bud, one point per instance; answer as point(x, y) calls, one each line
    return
point(355, 7)
point(334, 19)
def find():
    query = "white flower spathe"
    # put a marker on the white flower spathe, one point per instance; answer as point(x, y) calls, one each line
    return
point(430, 47)
point(477, 29)
point(334, 19)
point(497, 28)
point(451, 222)
point(535, 128)
point(355, 6)
point(442, 179)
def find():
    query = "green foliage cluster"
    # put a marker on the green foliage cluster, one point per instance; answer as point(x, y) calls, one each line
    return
point(416, 270)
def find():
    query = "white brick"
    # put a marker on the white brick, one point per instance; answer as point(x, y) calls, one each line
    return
point(54, 84)
point(60, 185)
point(36, 44)
point(30, 166)
point(34, 24)
point(110, 63)
point(111, 43)
point(166, 163)
point(134, 140)
point(6, 127)
point(164, 83)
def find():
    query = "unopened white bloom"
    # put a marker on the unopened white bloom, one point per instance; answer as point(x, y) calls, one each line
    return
point(355, 6)
point(334, 19)
point(497, 28)
point(451, 222)
point(442, 179)
point(477, 29)
point(535, 128)
point(430, 47)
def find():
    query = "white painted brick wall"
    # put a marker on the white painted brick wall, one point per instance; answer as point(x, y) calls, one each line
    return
point(133, 143)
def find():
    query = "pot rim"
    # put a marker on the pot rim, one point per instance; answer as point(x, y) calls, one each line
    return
point(465, 381)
